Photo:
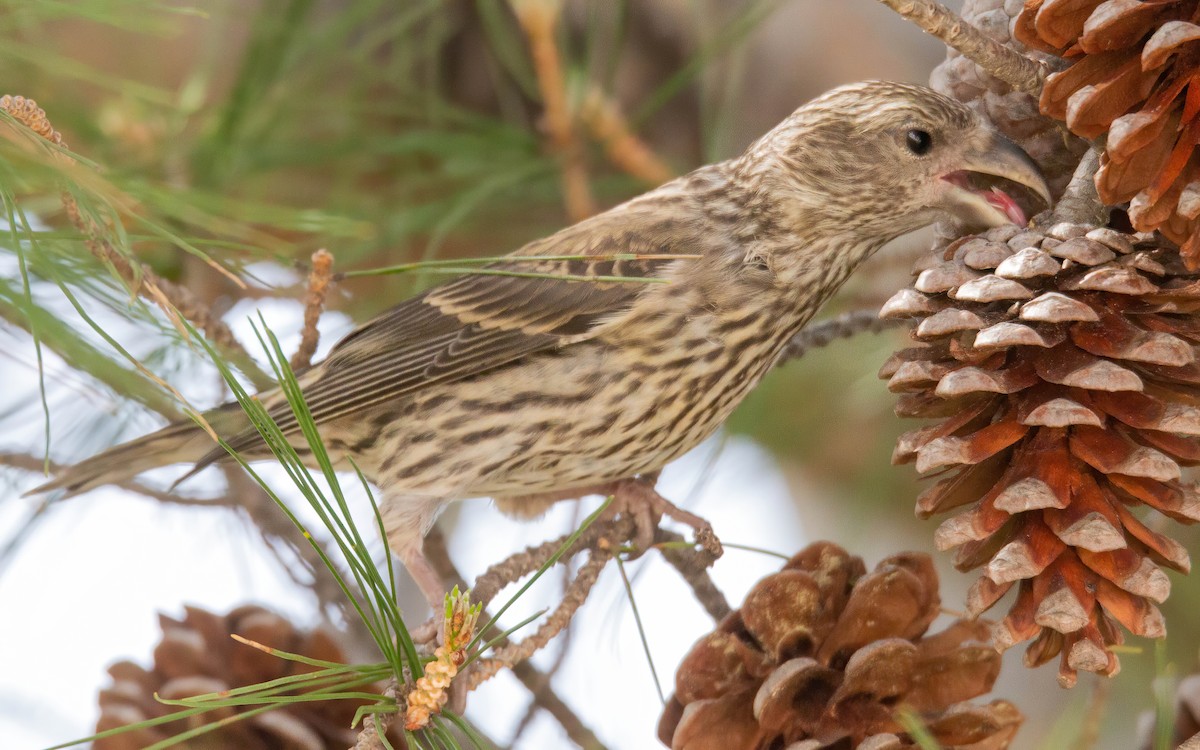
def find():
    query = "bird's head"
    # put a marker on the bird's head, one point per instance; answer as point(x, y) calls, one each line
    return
point(880, 159)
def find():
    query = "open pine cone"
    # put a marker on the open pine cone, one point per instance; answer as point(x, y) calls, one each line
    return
point(1061, 367)
point(1015, 113)
point(1133, 64)
point(196, 655)
point(825, 655)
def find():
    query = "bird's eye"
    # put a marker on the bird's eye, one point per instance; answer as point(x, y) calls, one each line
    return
point(918, 141)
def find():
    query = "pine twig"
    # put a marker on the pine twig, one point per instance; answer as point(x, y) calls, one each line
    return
point(245, 496)
point(624, 149)
point(376, 724)
point(692, 565)
point(598, 540)
point(564, 642)
point(523, 563)
point(174, 300)
point(35, 465)
point(843, 326)
point(319, 277)
point(538, 19)
point(531, 677)
point(545, 697)
point(1000, 60)
point(577, 593)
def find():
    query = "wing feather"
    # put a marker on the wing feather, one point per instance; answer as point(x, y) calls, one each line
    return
point(467, 326)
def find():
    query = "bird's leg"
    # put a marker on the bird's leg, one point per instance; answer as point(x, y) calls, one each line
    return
point(434, 589)
point(637, 498)
point(408, 518)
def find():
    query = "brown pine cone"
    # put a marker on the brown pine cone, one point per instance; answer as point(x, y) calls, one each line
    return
point(196, 655)
point(1014, 112)
point(823, 655)
point(1133, 64)
point(1062, 369)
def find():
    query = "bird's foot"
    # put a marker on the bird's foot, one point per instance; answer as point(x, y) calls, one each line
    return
point(637, 499)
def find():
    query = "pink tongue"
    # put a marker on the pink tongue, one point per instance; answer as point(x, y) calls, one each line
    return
point(1002, 201)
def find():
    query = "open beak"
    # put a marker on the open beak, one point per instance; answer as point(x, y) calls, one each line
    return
point(981, 191)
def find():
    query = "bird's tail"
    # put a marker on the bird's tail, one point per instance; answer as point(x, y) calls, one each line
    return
point(182, 442)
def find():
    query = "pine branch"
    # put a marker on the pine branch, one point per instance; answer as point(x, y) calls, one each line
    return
point(606, 532)
point(533, 679)
point(538, 19)
point(577, 593)
point(821, 334)
point(692, 565)
point(1000, 60)
point(375, 725)
point(623, 148)
point(544, 696)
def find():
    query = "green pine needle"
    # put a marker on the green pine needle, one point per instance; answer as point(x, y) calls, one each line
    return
point(915, 726)
point(637, 618)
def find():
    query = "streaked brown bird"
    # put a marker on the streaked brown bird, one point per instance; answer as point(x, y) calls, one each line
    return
point(530, 389)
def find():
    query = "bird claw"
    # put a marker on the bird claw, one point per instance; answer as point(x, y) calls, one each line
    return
point(638, 500)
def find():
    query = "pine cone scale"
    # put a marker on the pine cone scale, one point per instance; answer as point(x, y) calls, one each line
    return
point(197, 656)
point(1131, 69)
point(867, 656)
point(1042, 478)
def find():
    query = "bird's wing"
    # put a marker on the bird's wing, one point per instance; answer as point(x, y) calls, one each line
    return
point(468, 326)
point(473, 324)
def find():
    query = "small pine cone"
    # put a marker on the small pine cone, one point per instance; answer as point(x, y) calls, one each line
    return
point(1132, 64)
point(1014, 112)
point(823, 655)
point(196, 656)
point(31, 115)
point(1062, 368)
point(1185, 730)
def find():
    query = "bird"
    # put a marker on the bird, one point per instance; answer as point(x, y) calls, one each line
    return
point(584, 362)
